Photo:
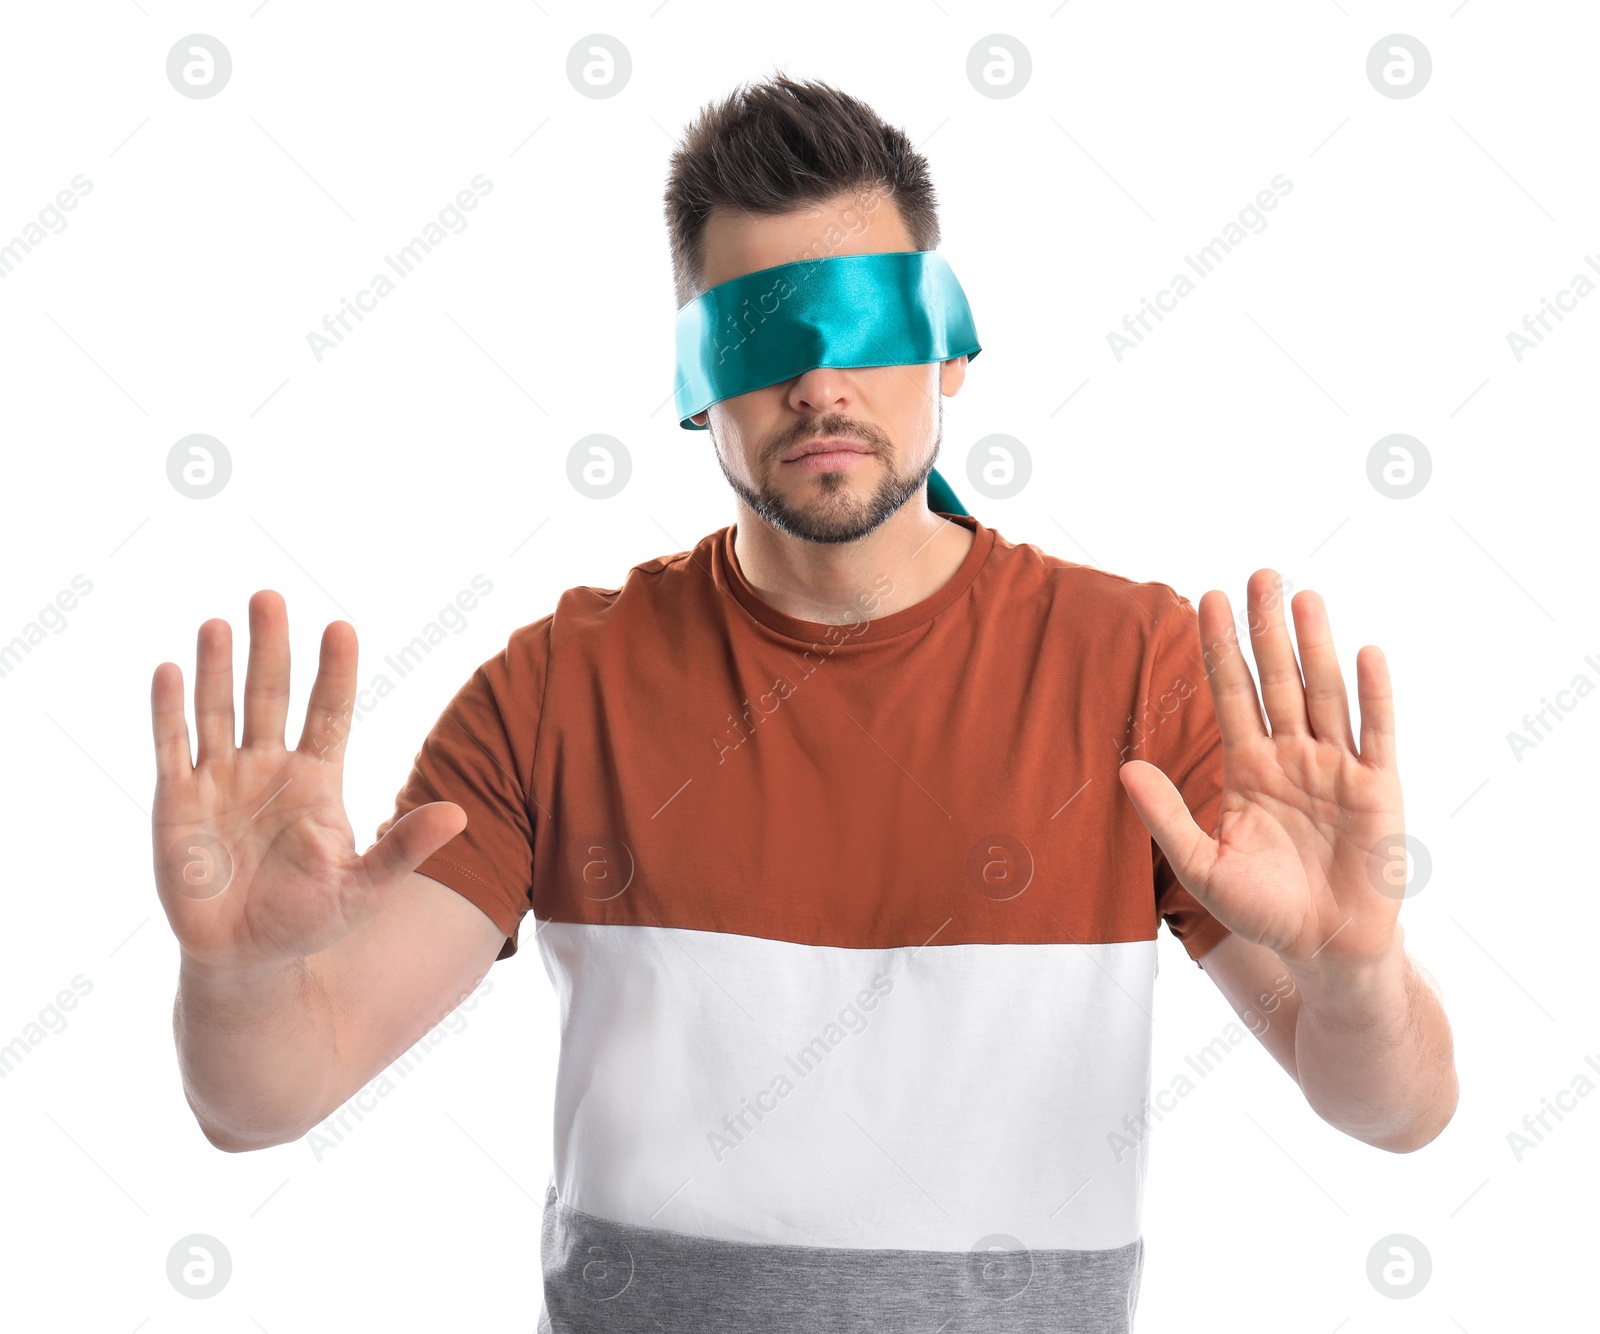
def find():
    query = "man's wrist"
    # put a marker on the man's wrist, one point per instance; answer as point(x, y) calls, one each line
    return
point(1361, 991)
point(236, 981)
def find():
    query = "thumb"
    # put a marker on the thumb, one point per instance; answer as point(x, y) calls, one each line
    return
point(1189, 850)
point(411, 840)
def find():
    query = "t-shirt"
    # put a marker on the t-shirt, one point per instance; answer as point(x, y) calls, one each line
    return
point(853, 930)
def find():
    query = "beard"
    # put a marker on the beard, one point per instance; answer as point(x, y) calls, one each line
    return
point(834, 515)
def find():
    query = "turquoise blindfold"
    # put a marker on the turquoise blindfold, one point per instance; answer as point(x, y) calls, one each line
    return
point(891, 308)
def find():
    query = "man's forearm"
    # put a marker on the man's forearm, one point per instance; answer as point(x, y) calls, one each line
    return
point(1373, 1049)
point(256, 1050)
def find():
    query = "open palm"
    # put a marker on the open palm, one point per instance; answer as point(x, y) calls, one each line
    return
point(1308, 856)
point(255, 860)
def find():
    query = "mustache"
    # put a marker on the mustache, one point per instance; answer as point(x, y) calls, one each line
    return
point(845, 428)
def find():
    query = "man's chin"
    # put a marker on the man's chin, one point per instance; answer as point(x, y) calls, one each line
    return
point(828, 513)
point(821, 523)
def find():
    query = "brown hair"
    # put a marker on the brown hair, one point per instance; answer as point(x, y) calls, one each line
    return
point(783, 144)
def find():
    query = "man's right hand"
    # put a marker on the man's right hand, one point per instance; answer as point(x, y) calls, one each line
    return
point(306, 967)
point(255, 861)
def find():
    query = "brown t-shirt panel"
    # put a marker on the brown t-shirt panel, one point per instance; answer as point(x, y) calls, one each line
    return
point(944, 774)
point(1178, 733)
point(479, 754)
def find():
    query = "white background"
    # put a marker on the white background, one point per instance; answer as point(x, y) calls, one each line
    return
point(425, 449)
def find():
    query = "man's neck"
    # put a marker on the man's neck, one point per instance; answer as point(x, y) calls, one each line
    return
point(905, 560)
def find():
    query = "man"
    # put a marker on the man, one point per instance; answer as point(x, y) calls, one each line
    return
point(848, 833)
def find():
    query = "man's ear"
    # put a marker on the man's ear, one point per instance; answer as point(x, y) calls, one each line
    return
point(952, 375)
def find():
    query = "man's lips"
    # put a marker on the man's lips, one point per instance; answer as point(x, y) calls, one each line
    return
point(829, 446)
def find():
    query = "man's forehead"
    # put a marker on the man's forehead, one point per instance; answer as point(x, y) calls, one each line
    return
point(738, 241)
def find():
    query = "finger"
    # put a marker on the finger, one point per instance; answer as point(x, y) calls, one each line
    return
point(1233, 690)
point(213, 693)
point(266, 677)
point(411, 840)
point(167, 722)
point(1376, 696)
point(1189, 850)
point(1282, 691)
point(329, 710)
point(1327, 704)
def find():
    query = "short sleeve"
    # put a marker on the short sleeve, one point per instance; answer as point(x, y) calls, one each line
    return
point(479, 754)
point(1178, 733)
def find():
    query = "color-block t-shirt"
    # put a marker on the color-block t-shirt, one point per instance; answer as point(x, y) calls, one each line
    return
point(853, 929)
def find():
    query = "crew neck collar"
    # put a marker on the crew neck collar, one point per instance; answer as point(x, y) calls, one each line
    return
point(728, 573)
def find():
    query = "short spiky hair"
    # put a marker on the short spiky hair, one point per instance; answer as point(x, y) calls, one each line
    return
point(783, 144)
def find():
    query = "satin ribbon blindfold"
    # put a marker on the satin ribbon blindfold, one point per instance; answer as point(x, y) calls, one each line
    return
point(891, 308)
